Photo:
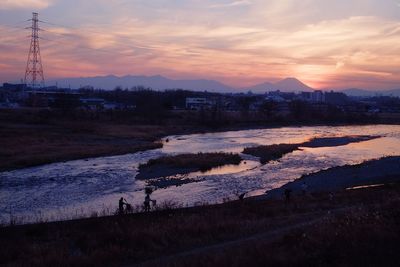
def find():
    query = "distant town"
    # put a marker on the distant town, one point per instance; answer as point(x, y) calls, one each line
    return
point(272, 104)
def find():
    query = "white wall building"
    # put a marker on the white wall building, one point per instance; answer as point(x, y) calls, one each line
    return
point(198, 103)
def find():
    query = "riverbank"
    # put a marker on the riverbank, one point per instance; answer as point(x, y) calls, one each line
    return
point(26, 145)
point(30, 144)
point(32, 137)
point(315, 230)
point(369, 173)
point(276, 151)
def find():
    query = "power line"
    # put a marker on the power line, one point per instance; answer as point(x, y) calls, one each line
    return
point(74, 34)
point(72, 43)
point(124, 45)
point(94, 32)
point(13, 30)
point(82, 47)
point(69, 35)
point(64, 35)
point(102, 33)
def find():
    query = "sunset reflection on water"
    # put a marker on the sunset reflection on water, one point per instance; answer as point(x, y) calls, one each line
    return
point(95, 183)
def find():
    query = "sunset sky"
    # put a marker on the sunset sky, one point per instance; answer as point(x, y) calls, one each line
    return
point(326, 44)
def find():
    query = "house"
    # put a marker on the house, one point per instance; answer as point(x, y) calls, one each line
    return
point(317, 96)
point(93, 103)
point(198, 103)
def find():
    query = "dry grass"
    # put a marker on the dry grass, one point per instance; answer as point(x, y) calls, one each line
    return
point(362, 238)
point(270, 152)
point(24, 145)
point(355, 228)
point(199, 161)
point(30, 137)
point(33, 137)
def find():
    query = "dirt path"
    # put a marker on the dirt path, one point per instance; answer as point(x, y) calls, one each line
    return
point(271, 236)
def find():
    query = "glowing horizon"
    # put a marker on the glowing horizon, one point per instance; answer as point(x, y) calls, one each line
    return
point(240, 43)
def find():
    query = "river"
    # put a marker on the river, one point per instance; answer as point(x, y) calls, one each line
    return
point(84, 187)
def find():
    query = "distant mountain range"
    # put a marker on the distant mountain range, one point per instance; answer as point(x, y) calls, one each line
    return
point(155, 82)
point(365, 93)
point(285, 85)
point(159, 82)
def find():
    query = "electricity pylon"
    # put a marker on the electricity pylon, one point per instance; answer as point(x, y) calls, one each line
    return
point(34, 70)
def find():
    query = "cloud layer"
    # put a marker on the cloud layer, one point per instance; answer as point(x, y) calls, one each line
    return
point(24, 4)
point(326, 44)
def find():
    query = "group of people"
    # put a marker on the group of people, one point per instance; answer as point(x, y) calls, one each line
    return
point(124, 207)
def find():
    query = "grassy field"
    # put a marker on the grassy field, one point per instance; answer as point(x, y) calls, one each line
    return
point(33, 137)
point(185, 163)
point(24, 145)
point(352, 228)
point(270, 152)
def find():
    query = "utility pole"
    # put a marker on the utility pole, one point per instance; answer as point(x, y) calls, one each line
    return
point(34, 70)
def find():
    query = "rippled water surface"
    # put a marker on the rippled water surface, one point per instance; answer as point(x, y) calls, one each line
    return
point(81, 187)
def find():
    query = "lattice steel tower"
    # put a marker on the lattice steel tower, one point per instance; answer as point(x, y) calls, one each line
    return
point(34, 70)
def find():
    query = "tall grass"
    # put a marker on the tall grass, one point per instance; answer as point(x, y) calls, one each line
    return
point(271, 152)
point(367, 230)
point(199, 161)
point(25, 145)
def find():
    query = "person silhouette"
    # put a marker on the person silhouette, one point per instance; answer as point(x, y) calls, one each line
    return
point(147, 200)
point(304, 188)
point(121, 204)
point(147, 203)
point(287, 194)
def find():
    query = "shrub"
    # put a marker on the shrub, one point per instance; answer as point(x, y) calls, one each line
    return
point(270, 152)
point(200, 161)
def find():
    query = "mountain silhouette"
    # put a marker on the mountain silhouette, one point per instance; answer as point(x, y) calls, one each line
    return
point(293, 84)
point(285, 85)
point(159, 82)
point(366, 93)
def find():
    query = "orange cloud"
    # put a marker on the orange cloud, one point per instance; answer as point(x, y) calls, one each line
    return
point(335, 52)
point(25, 4)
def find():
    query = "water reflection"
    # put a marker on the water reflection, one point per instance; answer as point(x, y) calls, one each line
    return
point(245, 165)
point(96, 184)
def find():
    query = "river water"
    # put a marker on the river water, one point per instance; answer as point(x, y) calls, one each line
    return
point(82, 187)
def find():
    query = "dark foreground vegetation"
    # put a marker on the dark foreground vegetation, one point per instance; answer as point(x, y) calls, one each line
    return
point(185, 163)
point(350, 228)
point(273, 152)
